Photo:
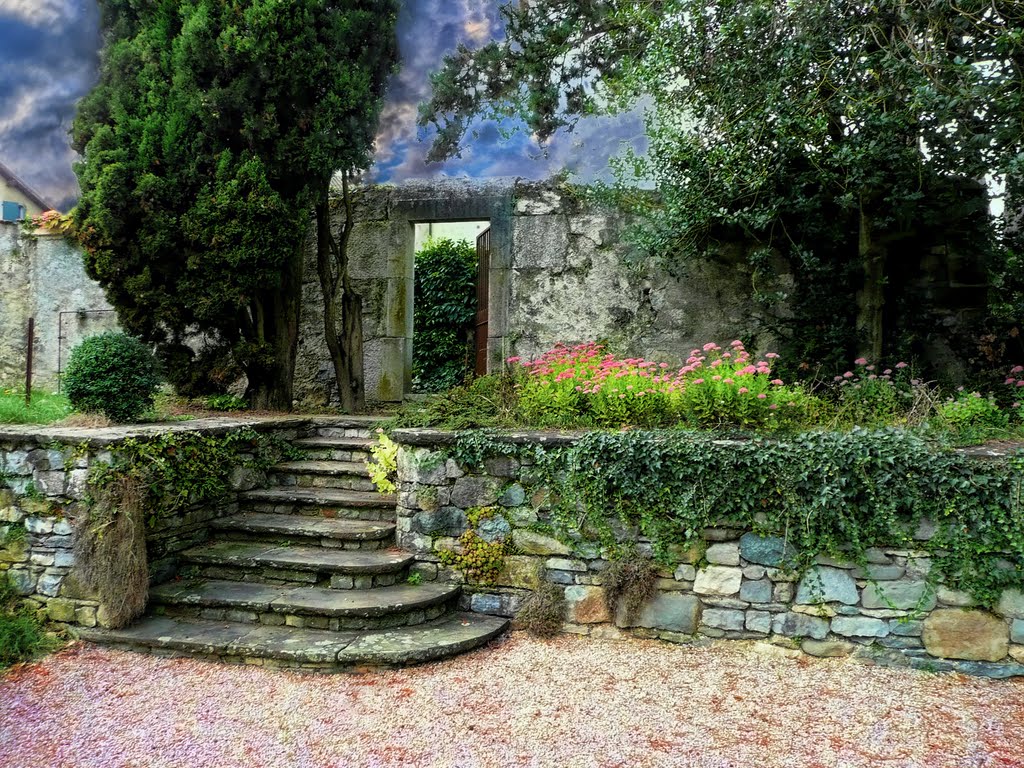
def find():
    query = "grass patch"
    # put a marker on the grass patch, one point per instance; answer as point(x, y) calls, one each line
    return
point(46, 408)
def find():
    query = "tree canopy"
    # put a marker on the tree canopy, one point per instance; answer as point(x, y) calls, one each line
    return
point(844, 138)
point(212, 134)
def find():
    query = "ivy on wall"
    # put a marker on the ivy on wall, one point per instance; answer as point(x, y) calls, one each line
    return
point(836, 494)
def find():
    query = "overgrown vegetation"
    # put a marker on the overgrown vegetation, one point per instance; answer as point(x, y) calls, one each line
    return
point(479, 558)
point(836, 494)
point(22, 635)
point(383, 463)
point(629, 582)
point(444, 308)
point(113, 374)
point(543, 611)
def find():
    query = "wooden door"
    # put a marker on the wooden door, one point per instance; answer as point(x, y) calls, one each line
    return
point(483, 265)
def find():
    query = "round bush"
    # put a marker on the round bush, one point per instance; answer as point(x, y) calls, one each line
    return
point(113, 374)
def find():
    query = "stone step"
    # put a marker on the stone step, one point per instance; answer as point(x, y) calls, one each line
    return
point(326, 502)
point(267, 562)
point(349, 475)
point(335, 448)
point(303, 648)
point(306, 529)
point(310, 607)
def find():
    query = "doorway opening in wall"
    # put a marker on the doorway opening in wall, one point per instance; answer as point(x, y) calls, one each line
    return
point(449, 303)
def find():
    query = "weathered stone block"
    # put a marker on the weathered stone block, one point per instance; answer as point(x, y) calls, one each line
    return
point(901, 595)
point(718, 580)
point(86, 616)
point(723, 618)
point(521, 571)
point(723, 554)
point(1017, 631)
point(530, 543)
point(859, 626)
point(422, 466)
point(49, 584)
point(799, 625)
point(758, 621)
point(669, 611)
point(22, 582)
point(766, 550)
point(447, 521)
point(39, 524)
point(514, 496)
point(473, 491)
point(759, 591)
point(494, 528)
point(906, 628)
point(827, 648)
point(954, 597)
point(879, 572)
point(502, 466)
point(822, 584)
point(586, 605)
point(953, 633)
point(1011, 604)
point(562, 564)
point(685, 572)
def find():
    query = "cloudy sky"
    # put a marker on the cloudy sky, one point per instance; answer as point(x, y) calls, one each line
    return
point(49, 55)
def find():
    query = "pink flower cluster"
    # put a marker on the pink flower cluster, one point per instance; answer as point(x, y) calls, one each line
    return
point(596, 371)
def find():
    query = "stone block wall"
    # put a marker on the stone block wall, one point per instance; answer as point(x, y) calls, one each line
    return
point(735, 587)
point(42, 276)
point(43, 484)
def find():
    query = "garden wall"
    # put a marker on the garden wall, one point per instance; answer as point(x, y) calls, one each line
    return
point(41, 276)
point(44, 475)
point(734, 585)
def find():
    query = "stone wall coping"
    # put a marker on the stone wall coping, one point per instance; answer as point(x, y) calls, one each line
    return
point(430, 437)
point(98, 437)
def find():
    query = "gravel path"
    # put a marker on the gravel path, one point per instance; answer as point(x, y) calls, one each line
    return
point(522, 702)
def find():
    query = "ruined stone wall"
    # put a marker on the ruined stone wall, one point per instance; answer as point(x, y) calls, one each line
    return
point(734, 586)
point(41, 276)
point(559, 272)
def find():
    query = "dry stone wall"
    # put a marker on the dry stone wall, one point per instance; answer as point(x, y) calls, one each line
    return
point(736, 587)
point(43, 487)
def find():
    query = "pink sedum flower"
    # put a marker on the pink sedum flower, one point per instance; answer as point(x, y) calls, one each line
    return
point(860, 361)
point(901, 365)
point(762, 396)
point(743, 390)
point(848, 375)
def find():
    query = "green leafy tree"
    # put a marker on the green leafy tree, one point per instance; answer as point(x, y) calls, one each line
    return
point(210, 139)
point(843, 138)
point(443, 313)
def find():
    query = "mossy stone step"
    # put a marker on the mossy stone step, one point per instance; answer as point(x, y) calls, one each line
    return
point(319, 649)
point(335, 443)
point(305, 526)
point(318, 467)
point(302, 600)
point(299, 558)
point(322, 497)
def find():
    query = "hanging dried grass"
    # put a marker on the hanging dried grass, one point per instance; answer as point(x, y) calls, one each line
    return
point(110, 549)
point(543, 611)
point(630, 582)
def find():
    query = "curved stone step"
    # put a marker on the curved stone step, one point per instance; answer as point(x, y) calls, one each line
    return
point(335, 448)
point(329, 531)
point(336, 610)
point(304, 648)
point(343, 569)
point(324, 497)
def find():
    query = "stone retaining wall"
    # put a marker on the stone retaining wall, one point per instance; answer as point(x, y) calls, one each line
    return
point(43, 482)
point(735, 587)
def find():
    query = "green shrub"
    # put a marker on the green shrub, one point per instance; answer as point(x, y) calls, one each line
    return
point(21, 634)
point(113, 374)
point(971, 415)
point(444, 307)
point(225, 402)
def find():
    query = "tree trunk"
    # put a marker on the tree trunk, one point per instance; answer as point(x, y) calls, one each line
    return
point(332, 266)
point(871, 297)
point(276, 329)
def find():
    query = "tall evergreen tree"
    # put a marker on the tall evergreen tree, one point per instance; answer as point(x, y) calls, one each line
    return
point(209, 141)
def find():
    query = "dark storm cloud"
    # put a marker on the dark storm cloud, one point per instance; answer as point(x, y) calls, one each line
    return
point(47, 62)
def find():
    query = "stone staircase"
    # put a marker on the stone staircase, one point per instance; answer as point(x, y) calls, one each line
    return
point(306, 575)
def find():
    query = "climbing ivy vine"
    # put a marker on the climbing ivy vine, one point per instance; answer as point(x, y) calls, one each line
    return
point(835, 494)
